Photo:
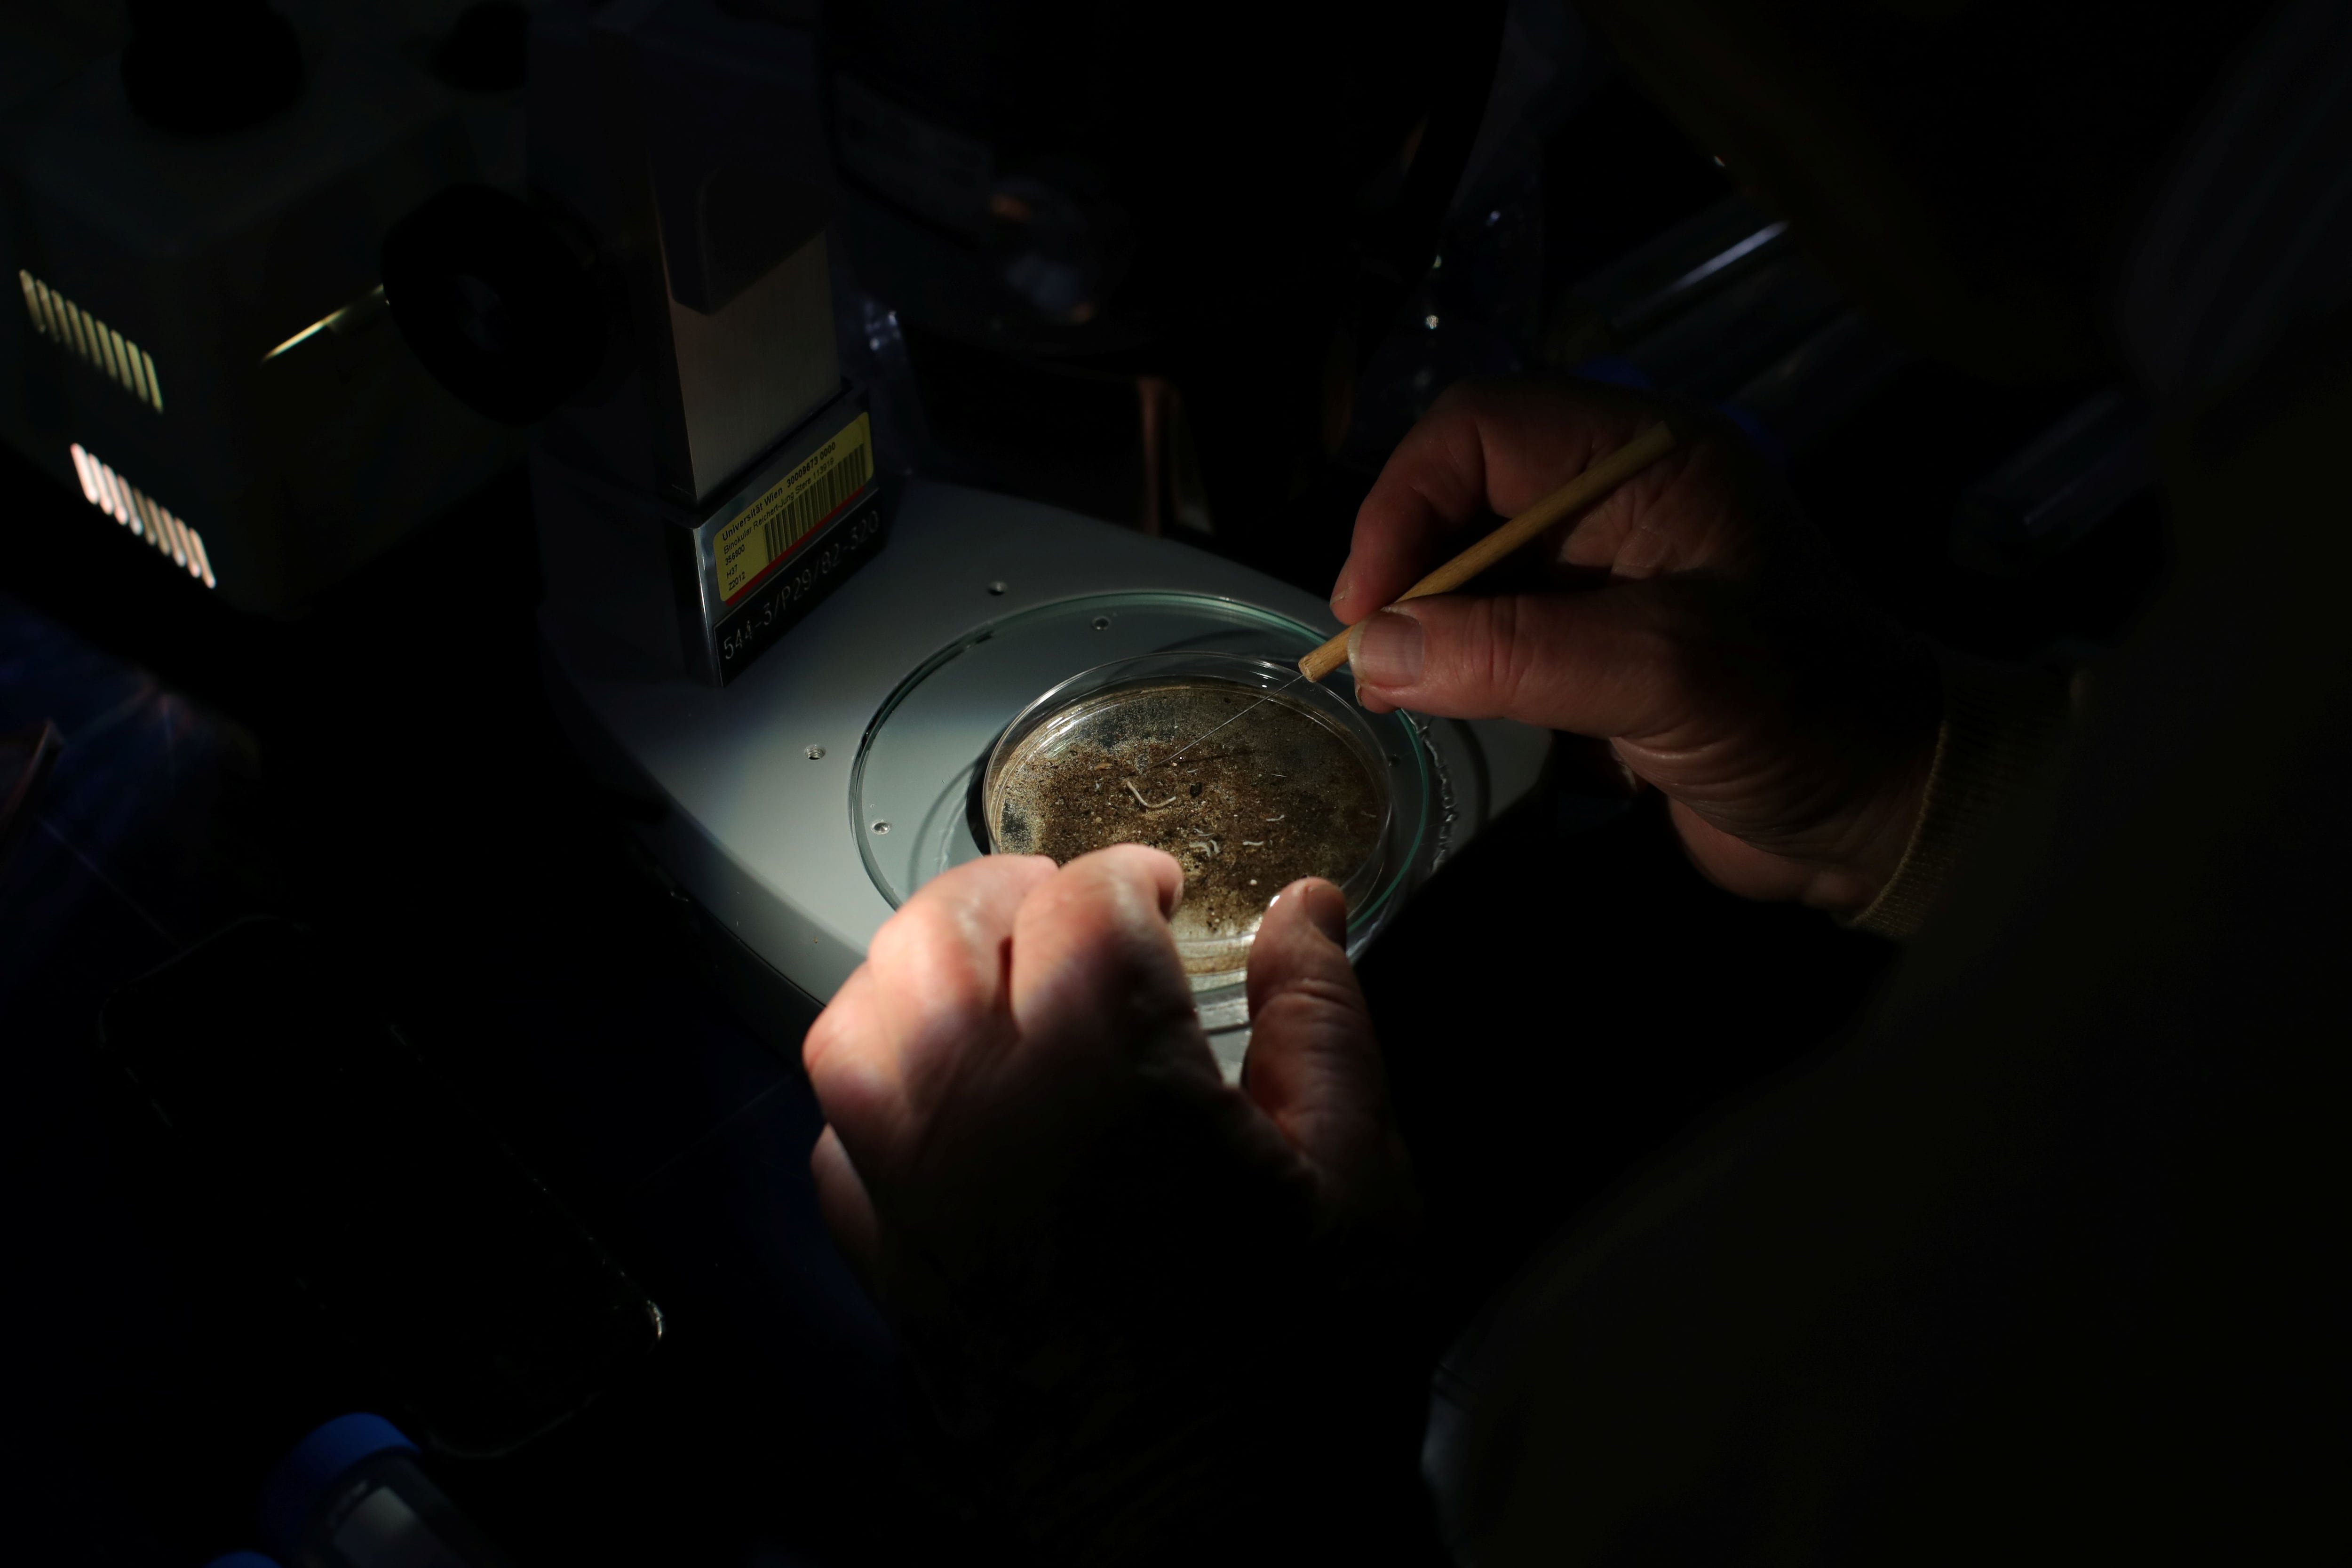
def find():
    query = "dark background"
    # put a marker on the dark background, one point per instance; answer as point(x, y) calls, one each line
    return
point(384, 768)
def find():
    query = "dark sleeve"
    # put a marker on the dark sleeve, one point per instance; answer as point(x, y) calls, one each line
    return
point(2037, 1266)
point(2000, 731)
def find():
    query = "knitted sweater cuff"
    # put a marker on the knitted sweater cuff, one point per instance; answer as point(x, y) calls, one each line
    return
point(2000, 724)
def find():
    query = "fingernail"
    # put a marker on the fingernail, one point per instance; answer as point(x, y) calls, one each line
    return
point(1326, 905)
point(1341, 589)
point(1386, 650)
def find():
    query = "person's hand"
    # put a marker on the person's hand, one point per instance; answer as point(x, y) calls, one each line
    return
point(1139, 1296)
point(1691, 618)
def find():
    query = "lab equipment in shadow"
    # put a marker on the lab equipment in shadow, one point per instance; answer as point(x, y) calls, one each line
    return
point(703, 475)
point(190, 215)
point(1723, 308)
point(1178, 252)
point(351, 1494)
point(2049, 494)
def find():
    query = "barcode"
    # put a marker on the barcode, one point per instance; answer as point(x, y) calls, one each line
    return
point(824, 496)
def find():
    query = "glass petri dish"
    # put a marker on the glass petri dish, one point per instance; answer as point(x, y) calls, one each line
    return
point(916, 805)
point(1248, 775)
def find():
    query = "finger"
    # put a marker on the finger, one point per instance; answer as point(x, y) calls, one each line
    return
point(1484, 448)
point(960, 921)
point(1738, 867)
point(848, 1210)
point(1313, 1066)
point(1093, 959)
point(838, 1052)
point(1632, 660)
point(933, 986)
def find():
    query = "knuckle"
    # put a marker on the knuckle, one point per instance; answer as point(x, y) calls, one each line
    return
point(1317, 1014)
point(1459, 398)
point(921, 930)
point(1479, 396)
point(1092, 878)
point(1451, 438)
point(819, 1046)
point(831, 1051)
point(904, 937)
point(1502, 662)
point(1117, 884)
point(1325, 990)
point(1300, 962)
point(934, 948)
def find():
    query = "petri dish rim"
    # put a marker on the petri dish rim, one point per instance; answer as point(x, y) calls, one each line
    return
point(1361, 920)
point(1271, 680)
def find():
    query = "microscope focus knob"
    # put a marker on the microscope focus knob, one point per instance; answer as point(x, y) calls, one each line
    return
point(497, 303)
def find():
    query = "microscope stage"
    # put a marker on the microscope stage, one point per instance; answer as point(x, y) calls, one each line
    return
point(764, 796)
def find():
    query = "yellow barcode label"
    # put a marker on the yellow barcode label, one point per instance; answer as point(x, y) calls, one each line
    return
point(794, 507)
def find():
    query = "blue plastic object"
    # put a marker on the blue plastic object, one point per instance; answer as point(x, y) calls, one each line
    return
point(300, 1482)
point(1612, 370)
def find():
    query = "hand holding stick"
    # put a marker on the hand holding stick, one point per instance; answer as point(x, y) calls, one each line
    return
point(1597, 481)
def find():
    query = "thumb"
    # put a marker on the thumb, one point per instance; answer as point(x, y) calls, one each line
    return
point(1610, 661)
point(1313, 1066)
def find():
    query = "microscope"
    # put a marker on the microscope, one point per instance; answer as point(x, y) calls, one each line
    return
point(788, 654)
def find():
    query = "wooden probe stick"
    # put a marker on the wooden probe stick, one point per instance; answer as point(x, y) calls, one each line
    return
point(1579, 492)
